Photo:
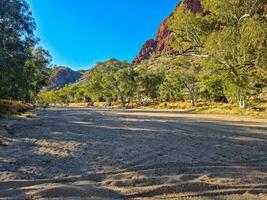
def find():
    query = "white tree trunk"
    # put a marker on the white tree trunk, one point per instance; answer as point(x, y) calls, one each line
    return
point(242, 102)
point(192, 97)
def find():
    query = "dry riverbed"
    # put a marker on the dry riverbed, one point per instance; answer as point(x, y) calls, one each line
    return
point(82, 153)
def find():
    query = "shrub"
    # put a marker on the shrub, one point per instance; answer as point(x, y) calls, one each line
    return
point(13, 107)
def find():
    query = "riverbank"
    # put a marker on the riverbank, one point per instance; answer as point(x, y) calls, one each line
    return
point(259, 111)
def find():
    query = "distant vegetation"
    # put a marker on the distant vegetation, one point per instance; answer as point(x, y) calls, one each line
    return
point(219, 55)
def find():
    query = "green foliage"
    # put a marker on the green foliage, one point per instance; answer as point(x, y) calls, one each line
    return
point(23, 66)
point(230, 41)
point(126, 82)
point(148, 83)
point(171, 89)
point(111, 80)
point(189, 31)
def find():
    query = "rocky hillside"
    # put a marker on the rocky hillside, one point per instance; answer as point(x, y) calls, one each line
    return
point(62, 76)
point(163, 36)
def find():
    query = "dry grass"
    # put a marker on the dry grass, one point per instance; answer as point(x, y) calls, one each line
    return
point(8, 107)
point(78, 105)
point(215, 108)
point(96, 104)
point(170, 105)
point(258, 111)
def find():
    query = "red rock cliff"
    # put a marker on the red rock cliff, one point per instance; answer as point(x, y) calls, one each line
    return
point(163, 36)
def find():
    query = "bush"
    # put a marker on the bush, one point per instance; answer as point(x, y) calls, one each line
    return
point(13, 107)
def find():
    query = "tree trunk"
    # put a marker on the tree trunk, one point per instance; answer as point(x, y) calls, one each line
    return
point(123, 102)
point(91, 103)
point(109, 102)
point(128, 103)
point(191, 93)
point(242, 102)
point(192, 96)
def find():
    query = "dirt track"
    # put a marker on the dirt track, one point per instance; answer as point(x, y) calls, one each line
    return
point(100, 154)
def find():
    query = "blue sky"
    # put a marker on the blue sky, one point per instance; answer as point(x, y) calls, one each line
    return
point(79, 33)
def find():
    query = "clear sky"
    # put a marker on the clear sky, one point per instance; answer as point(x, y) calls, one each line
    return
point(79, 33)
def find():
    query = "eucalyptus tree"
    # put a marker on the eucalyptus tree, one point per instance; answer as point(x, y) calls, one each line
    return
point(148, 83)
point(112, 80)
point(22, 65)
point(237, 48)
point(230, 39)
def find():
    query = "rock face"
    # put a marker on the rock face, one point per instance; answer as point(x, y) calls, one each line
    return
point(193, 5)
point(149, 47)
point(163, 36)
point(62, 76)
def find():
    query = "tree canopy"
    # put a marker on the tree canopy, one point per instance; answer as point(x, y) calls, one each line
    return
point(23, 65)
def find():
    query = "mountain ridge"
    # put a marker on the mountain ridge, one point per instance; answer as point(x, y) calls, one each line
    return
point(61, 76)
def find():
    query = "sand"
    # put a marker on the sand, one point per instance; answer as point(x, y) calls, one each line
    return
point(82, 153)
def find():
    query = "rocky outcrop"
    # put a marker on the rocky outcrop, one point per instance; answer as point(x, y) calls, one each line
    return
point(163, 36)
point(148, 48)
point(62, 76)
point(193, 5)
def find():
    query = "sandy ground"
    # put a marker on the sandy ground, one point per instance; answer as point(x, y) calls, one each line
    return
point(80, 153)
